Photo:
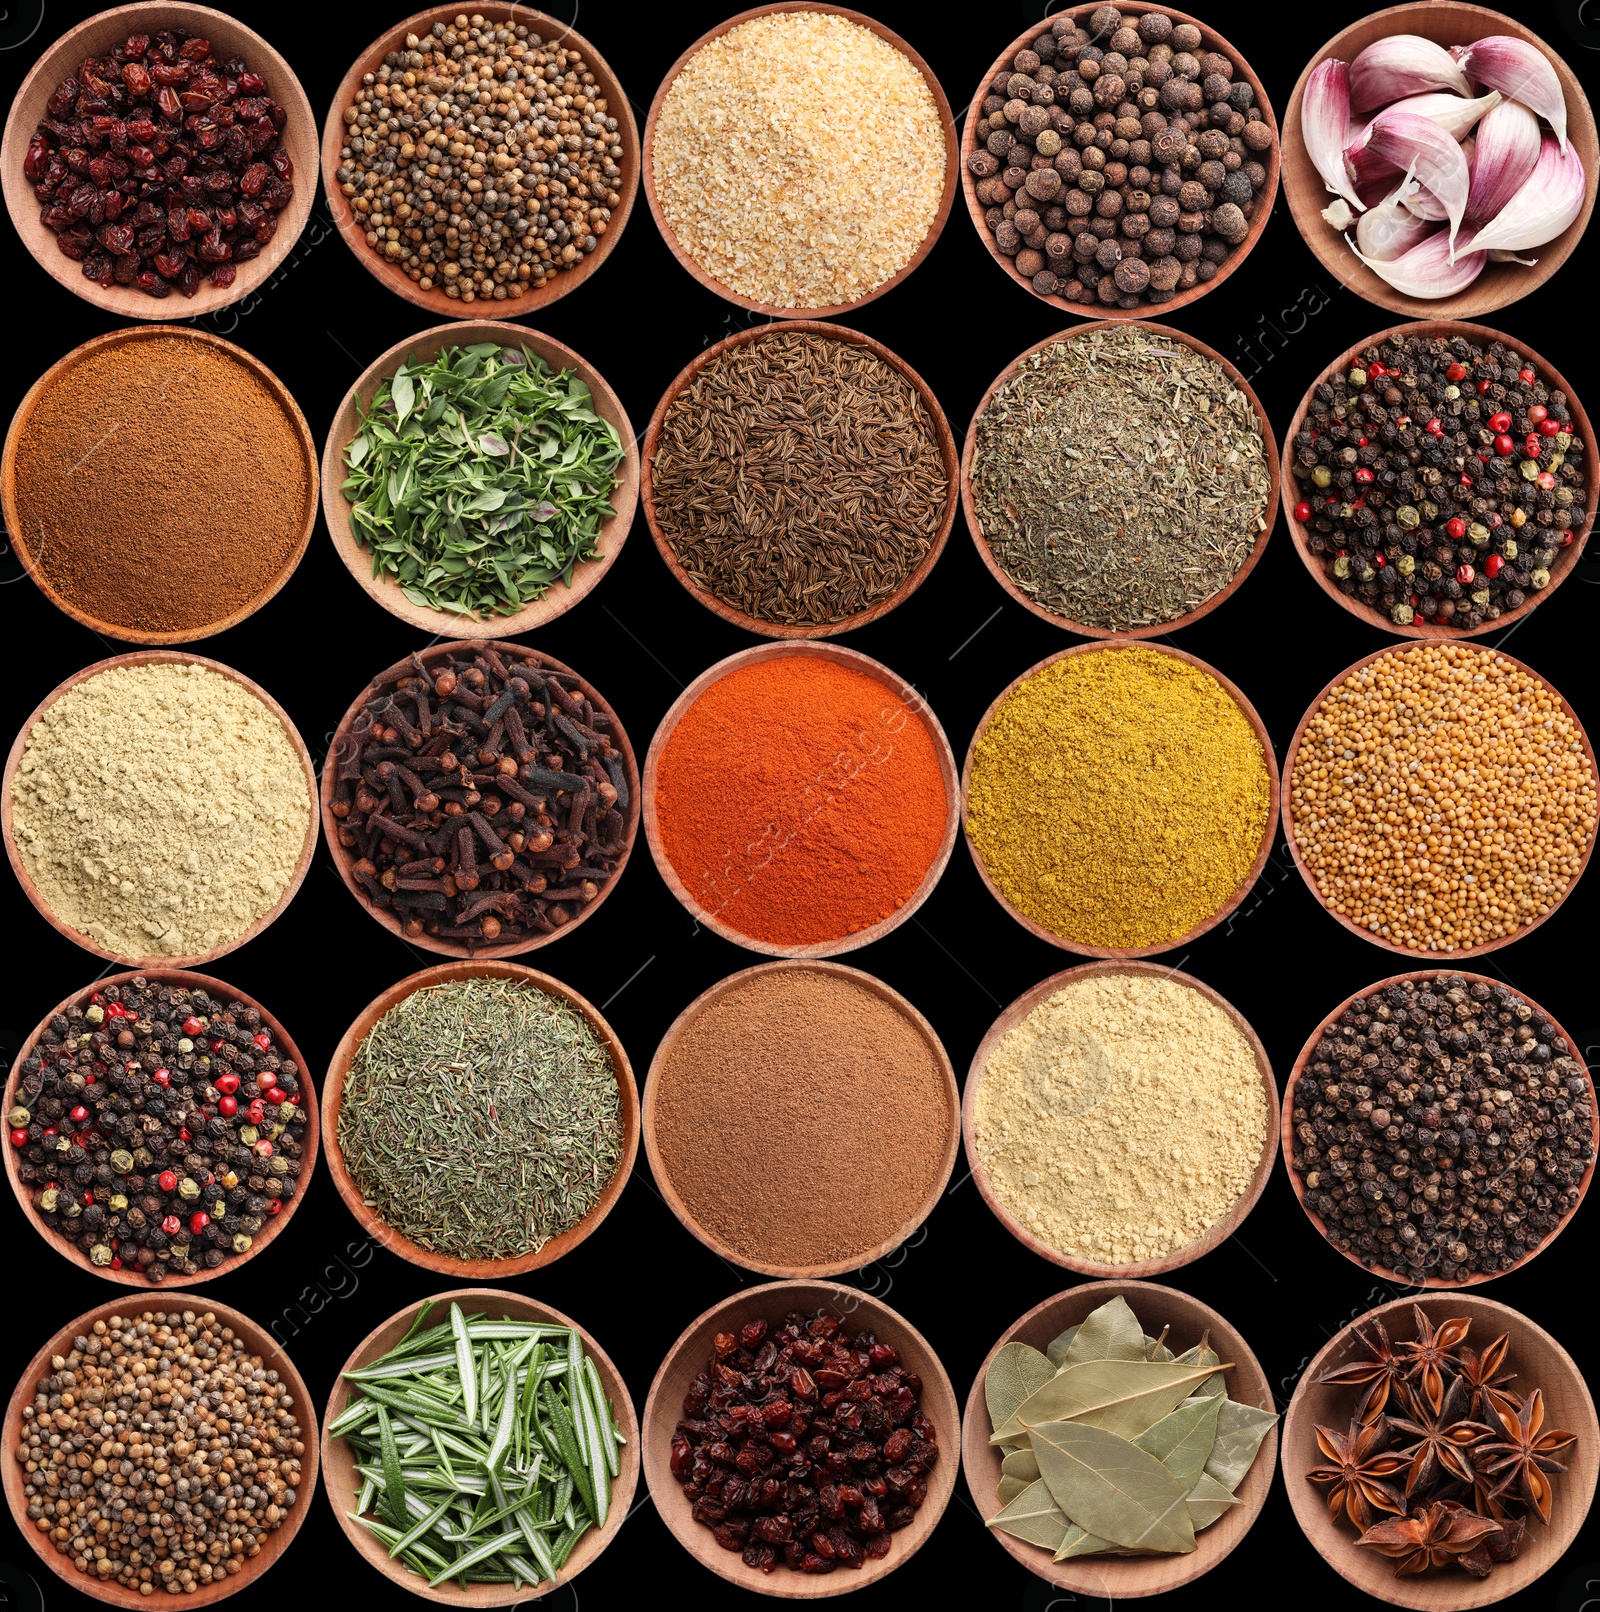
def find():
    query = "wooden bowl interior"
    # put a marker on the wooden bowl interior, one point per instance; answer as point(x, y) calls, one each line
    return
point(561, 596)
point(840, 656)
point(1119, 1577)
point(373, 1223)
point(270, 1229)
point(551, 30)
point(1566, 560)
point(740, 618)
point(156, 657)
point(344, 861)
point(1446, 22)
point(1216, 1234)
point(969, 505)
point(1297, 1182)
point(17, 526)
point(689, 1356)
point(93, 38)
point(1539, 1362)
point(1441, 960)
point(663, 1177)
point(344, 1487)
point(259, 1342)
point(1222, 913)
point(1265, 197)
point(946, 124)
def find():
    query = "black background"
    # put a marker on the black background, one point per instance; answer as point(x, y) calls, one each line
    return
point(641, 1278)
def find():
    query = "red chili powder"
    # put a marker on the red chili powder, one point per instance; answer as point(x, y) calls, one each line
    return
point(800, 800)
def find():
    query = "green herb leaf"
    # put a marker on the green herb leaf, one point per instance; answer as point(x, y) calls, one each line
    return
point(1112, 1488)
point(404, 393)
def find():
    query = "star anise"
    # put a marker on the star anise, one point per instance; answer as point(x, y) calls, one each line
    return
point(1519, 1462)
point(1432, 1355)
point(1485, 1381)
point(1494, 1548)
point(1432, 1536)
point(1443, 1435)
point(1381, 1372)
point(1358, 1470)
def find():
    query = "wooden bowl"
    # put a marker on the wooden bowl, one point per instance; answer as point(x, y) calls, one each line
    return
point(689, 1356)
point(156, 657)
point(1297, 1182)
point(1216, 1234)
point(946, 122)
point(1441, 961)
point(270, 1229)
point(259, 1342)
point(663, 1177)
point(552, 30)
point(93, 38)
point(375, 1226)
point(343, 1487)
point(344, 861)
point(1119, 1577)
point(829, 629)
point(561, 596)
point(839, 656)
point(17, 527)
point(1265, 197)
point(1446, 22)
point(1539, 1361)
point(1232, 903)
point(1566, 560)
point(969, 505)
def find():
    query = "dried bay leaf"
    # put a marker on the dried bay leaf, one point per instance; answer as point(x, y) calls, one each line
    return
point(1058, 1346)
point(1156, 1348)
point(1009, 1488)
point(1202, 1354)
point(1016, 1372)
point(1207, 1501)
point(1119, 1396)
point(1181, 1441)
point(1033, 1517)
point(1021, 1464)
point(1112, 1488)
point(1110, 1333)
point(1240, 1430)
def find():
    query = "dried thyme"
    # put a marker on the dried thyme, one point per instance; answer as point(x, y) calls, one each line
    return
point(1120, 478)
point(481, 1118)
point(798, 478)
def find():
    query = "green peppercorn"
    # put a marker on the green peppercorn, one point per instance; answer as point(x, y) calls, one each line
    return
point(1321, 475)
point(1406, 564)
point(188, 1189)
point(1539, 578)
point(1408, 517)
point(1401, 614)
point(241, 1242)
point(122, 1161)
point(1358, 379)
point(100, 1254)
point(48, 1199)
point(94, 1013)
point(118, 1201)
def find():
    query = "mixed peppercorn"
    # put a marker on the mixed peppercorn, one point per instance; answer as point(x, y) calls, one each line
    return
point(1442, 1128)
point(1441, 480)
point(805, 1445)
point(159, 166)
point(158, 1128)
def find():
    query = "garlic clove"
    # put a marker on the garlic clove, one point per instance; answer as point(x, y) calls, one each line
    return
point(1390, 69)
point(1392, 228)
point(1325, 127)
point(1519, 71)
point(1455, 114)
point(1506, 153)
point(1412, 142)
point(1548, 201)
point(1422, 202)
point(1338, 214)
point(1426, 271)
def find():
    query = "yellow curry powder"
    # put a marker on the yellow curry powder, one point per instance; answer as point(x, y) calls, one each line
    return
point(1118, 798)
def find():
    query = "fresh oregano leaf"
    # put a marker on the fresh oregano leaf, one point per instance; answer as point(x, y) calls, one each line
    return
point(1112, 1488)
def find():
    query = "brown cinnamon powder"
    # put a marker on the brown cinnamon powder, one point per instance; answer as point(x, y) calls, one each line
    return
point(803, 1119)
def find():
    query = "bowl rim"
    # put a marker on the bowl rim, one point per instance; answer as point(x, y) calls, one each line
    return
point(1566, 559)
point(284, 87)
point(946, 198)
point(969, 505)
point(773, 1299)
point(1268, 832)
point(663, 1177)
point(1265, 200)
point(64, 366)
point(258, 1341)
point(396, 280)
point(589, 1547)
point(343, 861)
point(157, 657)
point(560, 597)
point(1297, 1183)
point(397, 1243)
point(839, 655)
point(913, 580)
point(1434, 1593)
point(1220, 1230)
point(1072, 1575)
point(1307, 197)
point(271, 1229)
point(1291, 839)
